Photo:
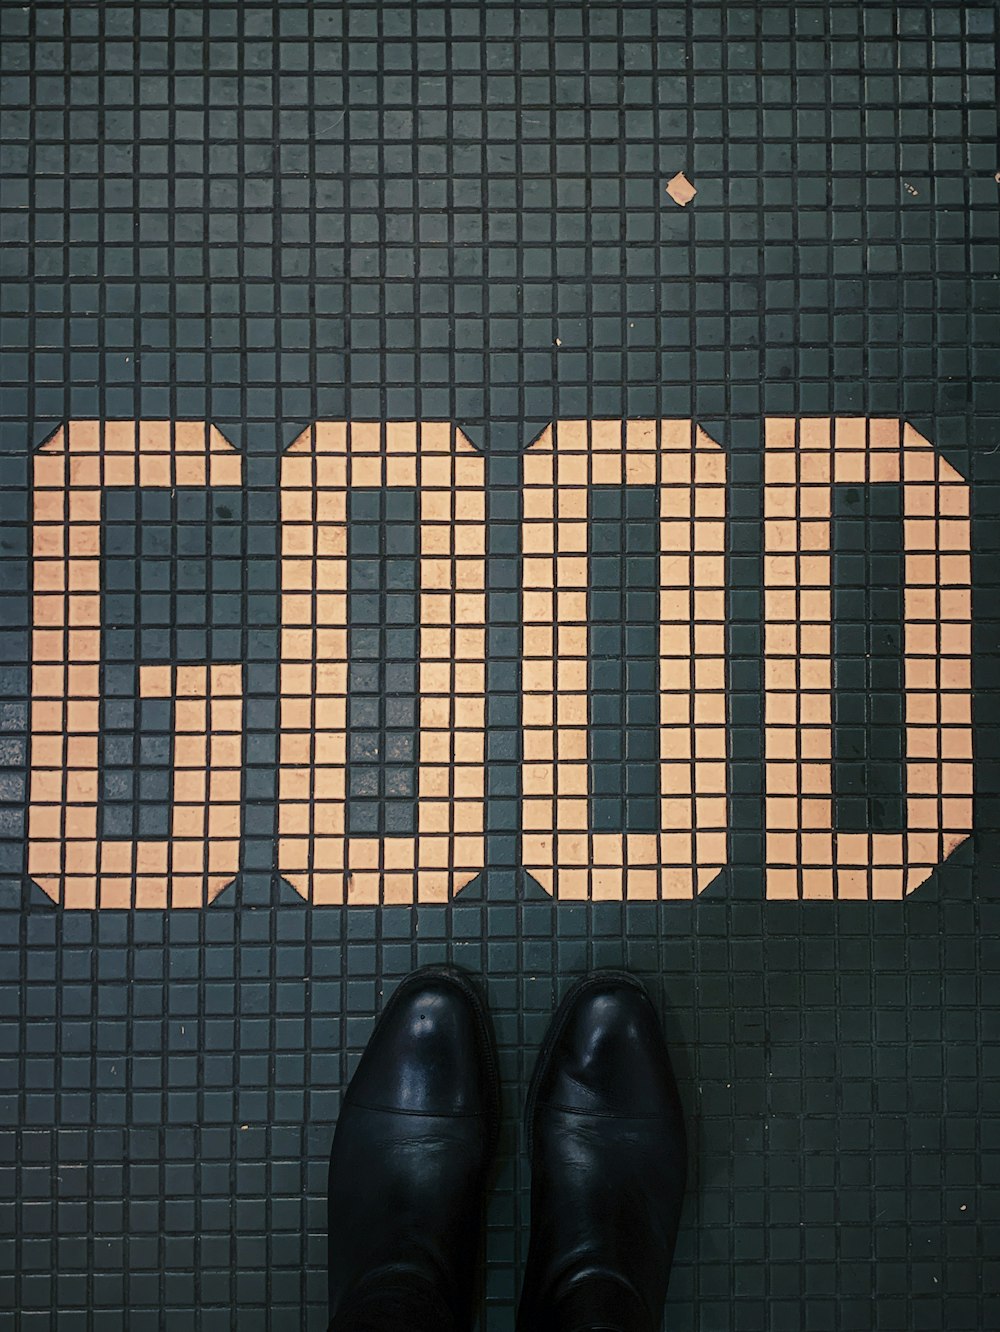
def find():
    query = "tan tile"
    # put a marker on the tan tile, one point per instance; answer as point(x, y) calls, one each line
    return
point(365, 437)
point(365, 471)
point(780, 432)
point(322, 438)
point(469, 853)
point(79, 892)
point(327, 889)
point(956, 779)
point(605, 436)
point(329, 849)
point(537, 822)
point(571, 538)
point(396, 889)
point(48, 682)
point(609, 469)
point(782, 884)
point(49, 542)
point(956, 818)
point(680, 435)
point(920, 534)
point(887, 882)
point(146, 436)
point(363, 887)
point(954, 570)
point(606, 883)
point(640, 469)
point(156, 470)
point(953, 534)
point(919, 466)
point(956, 674)
point(643, 885)
point(782, 810)
point(45, 825)
point(955, 604)
point(953, 500)
point(815, 885)
point(401, 437)
point(574, 884)
point(538, 743)
point(680, 189)
point(572, 469)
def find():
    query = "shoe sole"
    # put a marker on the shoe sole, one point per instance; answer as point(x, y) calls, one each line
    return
point(594, 980)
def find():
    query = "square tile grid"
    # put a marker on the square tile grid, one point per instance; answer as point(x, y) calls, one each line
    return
point(257, 220)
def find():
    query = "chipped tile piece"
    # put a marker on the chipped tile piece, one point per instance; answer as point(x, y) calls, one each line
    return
point(681, 190)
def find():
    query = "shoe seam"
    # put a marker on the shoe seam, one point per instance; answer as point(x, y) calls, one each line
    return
point(353, 1104)
point(596, 1114)
point(463, 982)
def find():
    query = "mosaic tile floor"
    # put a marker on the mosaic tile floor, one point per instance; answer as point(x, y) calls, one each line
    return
point(515, 484)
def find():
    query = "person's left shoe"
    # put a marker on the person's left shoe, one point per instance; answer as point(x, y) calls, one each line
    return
point(411, 1157)
point(608, 1165)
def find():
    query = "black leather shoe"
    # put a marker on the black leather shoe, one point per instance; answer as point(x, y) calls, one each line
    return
point(410, 1159)
point(608, 1165)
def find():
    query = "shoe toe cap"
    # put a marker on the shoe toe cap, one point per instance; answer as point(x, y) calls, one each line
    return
point(428, 1052)
point(610, 1056)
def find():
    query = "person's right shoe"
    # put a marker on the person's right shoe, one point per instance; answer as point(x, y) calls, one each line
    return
point(410, 1162)
point(608, 1165)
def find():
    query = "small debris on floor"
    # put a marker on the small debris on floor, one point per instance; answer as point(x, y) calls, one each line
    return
point(681, 190)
